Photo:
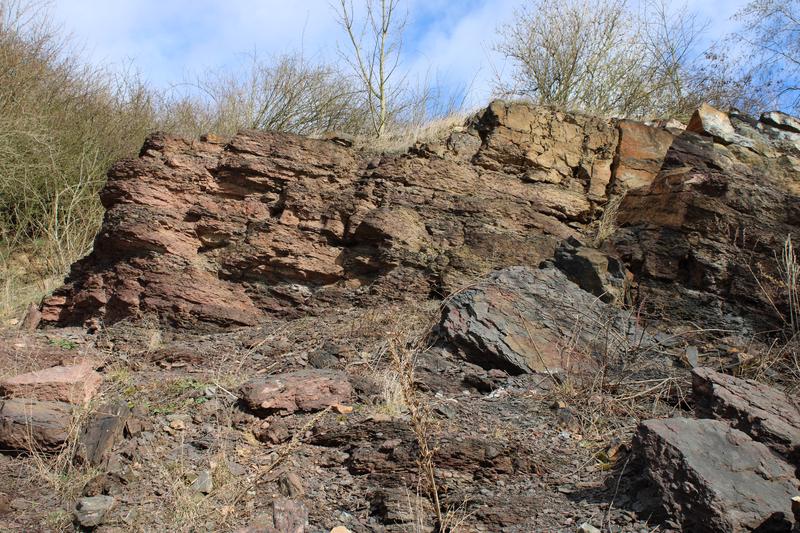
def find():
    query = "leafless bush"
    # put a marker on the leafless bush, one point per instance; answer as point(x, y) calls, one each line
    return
point(54, 147)
point(289, 93)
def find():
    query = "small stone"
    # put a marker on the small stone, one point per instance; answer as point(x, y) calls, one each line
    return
point(340, 529)
point(291, 485)
point(586, 527)
point(343, 409)
point(177, 424)
point(91, 511)
point(204, 483)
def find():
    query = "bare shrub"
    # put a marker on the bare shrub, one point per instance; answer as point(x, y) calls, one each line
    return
point(288, 93)
point(54, 149)
point(375, 44)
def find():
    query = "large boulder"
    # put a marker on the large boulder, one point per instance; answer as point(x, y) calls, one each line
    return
point(519, 320)
point(713, 478)
point(763, 412)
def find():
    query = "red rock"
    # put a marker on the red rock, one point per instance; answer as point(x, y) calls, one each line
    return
point(304, 390)
point(640, 154)
point(210, 234)
point(72, 384)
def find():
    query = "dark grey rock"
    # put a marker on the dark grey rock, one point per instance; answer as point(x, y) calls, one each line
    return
point(712, 478)
point(91, 510)
point(517, 319)
point(593, 270)
point(765, 413)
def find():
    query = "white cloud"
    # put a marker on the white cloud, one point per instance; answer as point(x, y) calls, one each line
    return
point(168, 40)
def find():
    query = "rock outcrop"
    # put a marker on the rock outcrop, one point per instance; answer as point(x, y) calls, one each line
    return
point(702, 239)
point(269, 223)
point(212, 234)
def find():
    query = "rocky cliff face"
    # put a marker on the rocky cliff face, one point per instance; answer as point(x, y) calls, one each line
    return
point(221, 234)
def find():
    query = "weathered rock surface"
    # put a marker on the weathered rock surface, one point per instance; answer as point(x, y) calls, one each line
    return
point(592, 270)
point(214, 234)
point(72, 384)
point(765, 413)
point(287, 516)
point(640, 154)
point(705, 232)
point(91, 510)
point(220, 234)
point(520, 319)
point(103, 431)
point(34, 425)
point(304, 390)
point(713, 478)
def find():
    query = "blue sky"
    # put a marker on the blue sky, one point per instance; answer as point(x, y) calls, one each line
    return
point(170, 41)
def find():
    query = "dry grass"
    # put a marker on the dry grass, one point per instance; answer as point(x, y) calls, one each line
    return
point(607, 224)
point(400, 137)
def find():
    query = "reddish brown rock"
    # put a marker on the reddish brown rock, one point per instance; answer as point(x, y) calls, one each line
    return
point(217, 235)
point(33, 425)
point(766, 414)
point(710, 121)
point(72, 384)
point(640, 154)
point(304, 390)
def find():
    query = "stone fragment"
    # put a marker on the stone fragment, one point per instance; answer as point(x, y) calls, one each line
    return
point(32, 318)
point(286, 516)
point(34, 425)
point(710, 121)
point(103, 432)
point(781, 121)
point(587, 528)
point(305, 390)
point(91, 511)
point(640, 154)
point(204, 483)
point(711, 477)
point(291, 485)
point(72, 384)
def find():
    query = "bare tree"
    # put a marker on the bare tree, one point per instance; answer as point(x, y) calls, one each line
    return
point(772, 29)
point(375, 45)
point(602, 56)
